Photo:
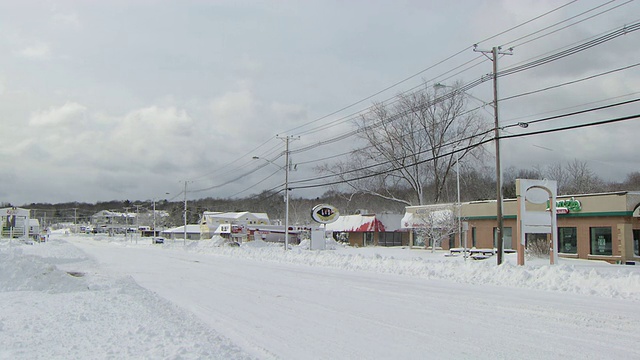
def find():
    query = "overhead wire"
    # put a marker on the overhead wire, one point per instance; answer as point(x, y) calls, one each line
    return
point(563, 21)
point(338, 182)
point(483, 141)
point(569, 82)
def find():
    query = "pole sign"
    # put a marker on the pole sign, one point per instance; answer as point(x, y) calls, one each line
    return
point(324, 214)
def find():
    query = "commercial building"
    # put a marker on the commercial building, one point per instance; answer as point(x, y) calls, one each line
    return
point(369, 230)
point(211, 220)
point(604, 226)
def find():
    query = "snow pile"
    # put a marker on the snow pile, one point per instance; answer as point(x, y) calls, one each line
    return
point(572, 276)
point(330, 244)
point(54, 306)
point(20, 272)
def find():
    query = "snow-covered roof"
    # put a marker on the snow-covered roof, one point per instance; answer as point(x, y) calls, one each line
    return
point(366, 223)
point(235, 215)
point(191, 229)
point(435, 218)
point(109, 213)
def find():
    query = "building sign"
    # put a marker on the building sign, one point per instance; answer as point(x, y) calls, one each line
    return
point(324, 214)
point(567, 206)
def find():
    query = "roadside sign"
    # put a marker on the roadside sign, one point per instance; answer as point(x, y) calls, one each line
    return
point(324, 214)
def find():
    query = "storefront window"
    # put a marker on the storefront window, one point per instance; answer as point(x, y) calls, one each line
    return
point(419, 238)
point(390, 239)
point(567, 240)
point(601, 241)
point(506, 237)
point(636, 242)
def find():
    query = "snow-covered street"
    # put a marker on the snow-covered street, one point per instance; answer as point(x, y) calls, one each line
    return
point(100, 297)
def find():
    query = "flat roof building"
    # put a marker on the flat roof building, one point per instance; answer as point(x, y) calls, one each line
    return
point(603, 226)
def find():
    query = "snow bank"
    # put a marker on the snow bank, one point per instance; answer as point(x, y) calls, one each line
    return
point(55, 307)
point(572, 276)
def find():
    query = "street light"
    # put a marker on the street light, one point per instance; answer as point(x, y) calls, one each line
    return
point(437, 86)
point(286, 196)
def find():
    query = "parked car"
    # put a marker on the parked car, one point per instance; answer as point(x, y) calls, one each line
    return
point(157, 240)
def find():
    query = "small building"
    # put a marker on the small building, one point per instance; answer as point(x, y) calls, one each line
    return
point(15, 222)
point(369, 230)
point(193, 232)
point(210, 221)
point(113, 221)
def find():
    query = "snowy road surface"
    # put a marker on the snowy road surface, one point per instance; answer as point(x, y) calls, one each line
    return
point(296, 311)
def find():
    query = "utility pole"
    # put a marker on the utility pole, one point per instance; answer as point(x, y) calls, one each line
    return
point(137, 222)
point(154, 220)
point(185, 213)
point(75, 220)
point(495, 51)
point(126, 222)
point(287, 168)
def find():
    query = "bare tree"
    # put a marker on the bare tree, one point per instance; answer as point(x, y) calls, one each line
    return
point(510, 176)
point(558, 173)
point(582, 179)
point(437, 225)
point(632, 182)
point(410, 145)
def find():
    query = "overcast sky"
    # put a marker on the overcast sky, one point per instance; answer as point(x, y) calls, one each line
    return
point(103, 100)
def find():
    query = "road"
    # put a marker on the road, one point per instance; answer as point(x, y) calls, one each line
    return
point(286, 311)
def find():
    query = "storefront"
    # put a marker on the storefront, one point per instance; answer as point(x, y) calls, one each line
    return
point(602, 226)
point(369, 230)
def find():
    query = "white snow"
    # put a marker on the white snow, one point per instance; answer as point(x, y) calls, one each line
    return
point(98, 297)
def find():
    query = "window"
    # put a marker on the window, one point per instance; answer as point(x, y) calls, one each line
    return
point(636, 242)
point(473, 236)
point(390, 239)
point(368, 239)
point(506, 237)
point(539, 242)
point(601, 241)
point(567, 240)
point(419, 238)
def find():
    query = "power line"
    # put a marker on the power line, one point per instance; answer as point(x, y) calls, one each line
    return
point(570, 82)
point(626, 29)
point(565, 20)
point(484, 141)
point(571, 127)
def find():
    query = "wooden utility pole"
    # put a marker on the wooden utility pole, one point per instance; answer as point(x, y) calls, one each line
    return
point(495, 51)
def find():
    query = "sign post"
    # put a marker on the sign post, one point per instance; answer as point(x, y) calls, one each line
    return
point(323, 214)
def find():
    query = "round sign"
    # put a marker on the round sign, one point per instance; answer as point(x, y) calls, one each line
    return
point(324, 213)
point(537, 195)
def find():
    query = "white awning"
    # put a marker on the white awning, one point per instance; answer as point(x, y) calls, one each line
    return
point(437, 218)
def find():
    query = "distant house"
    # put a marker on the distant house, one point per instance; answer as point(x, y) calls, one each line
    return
point(370, 230)
point(210, 221)
point(107, 220)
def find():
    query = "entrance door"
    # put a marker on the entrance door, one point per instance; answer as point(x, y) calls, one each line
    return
point(368, 239)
